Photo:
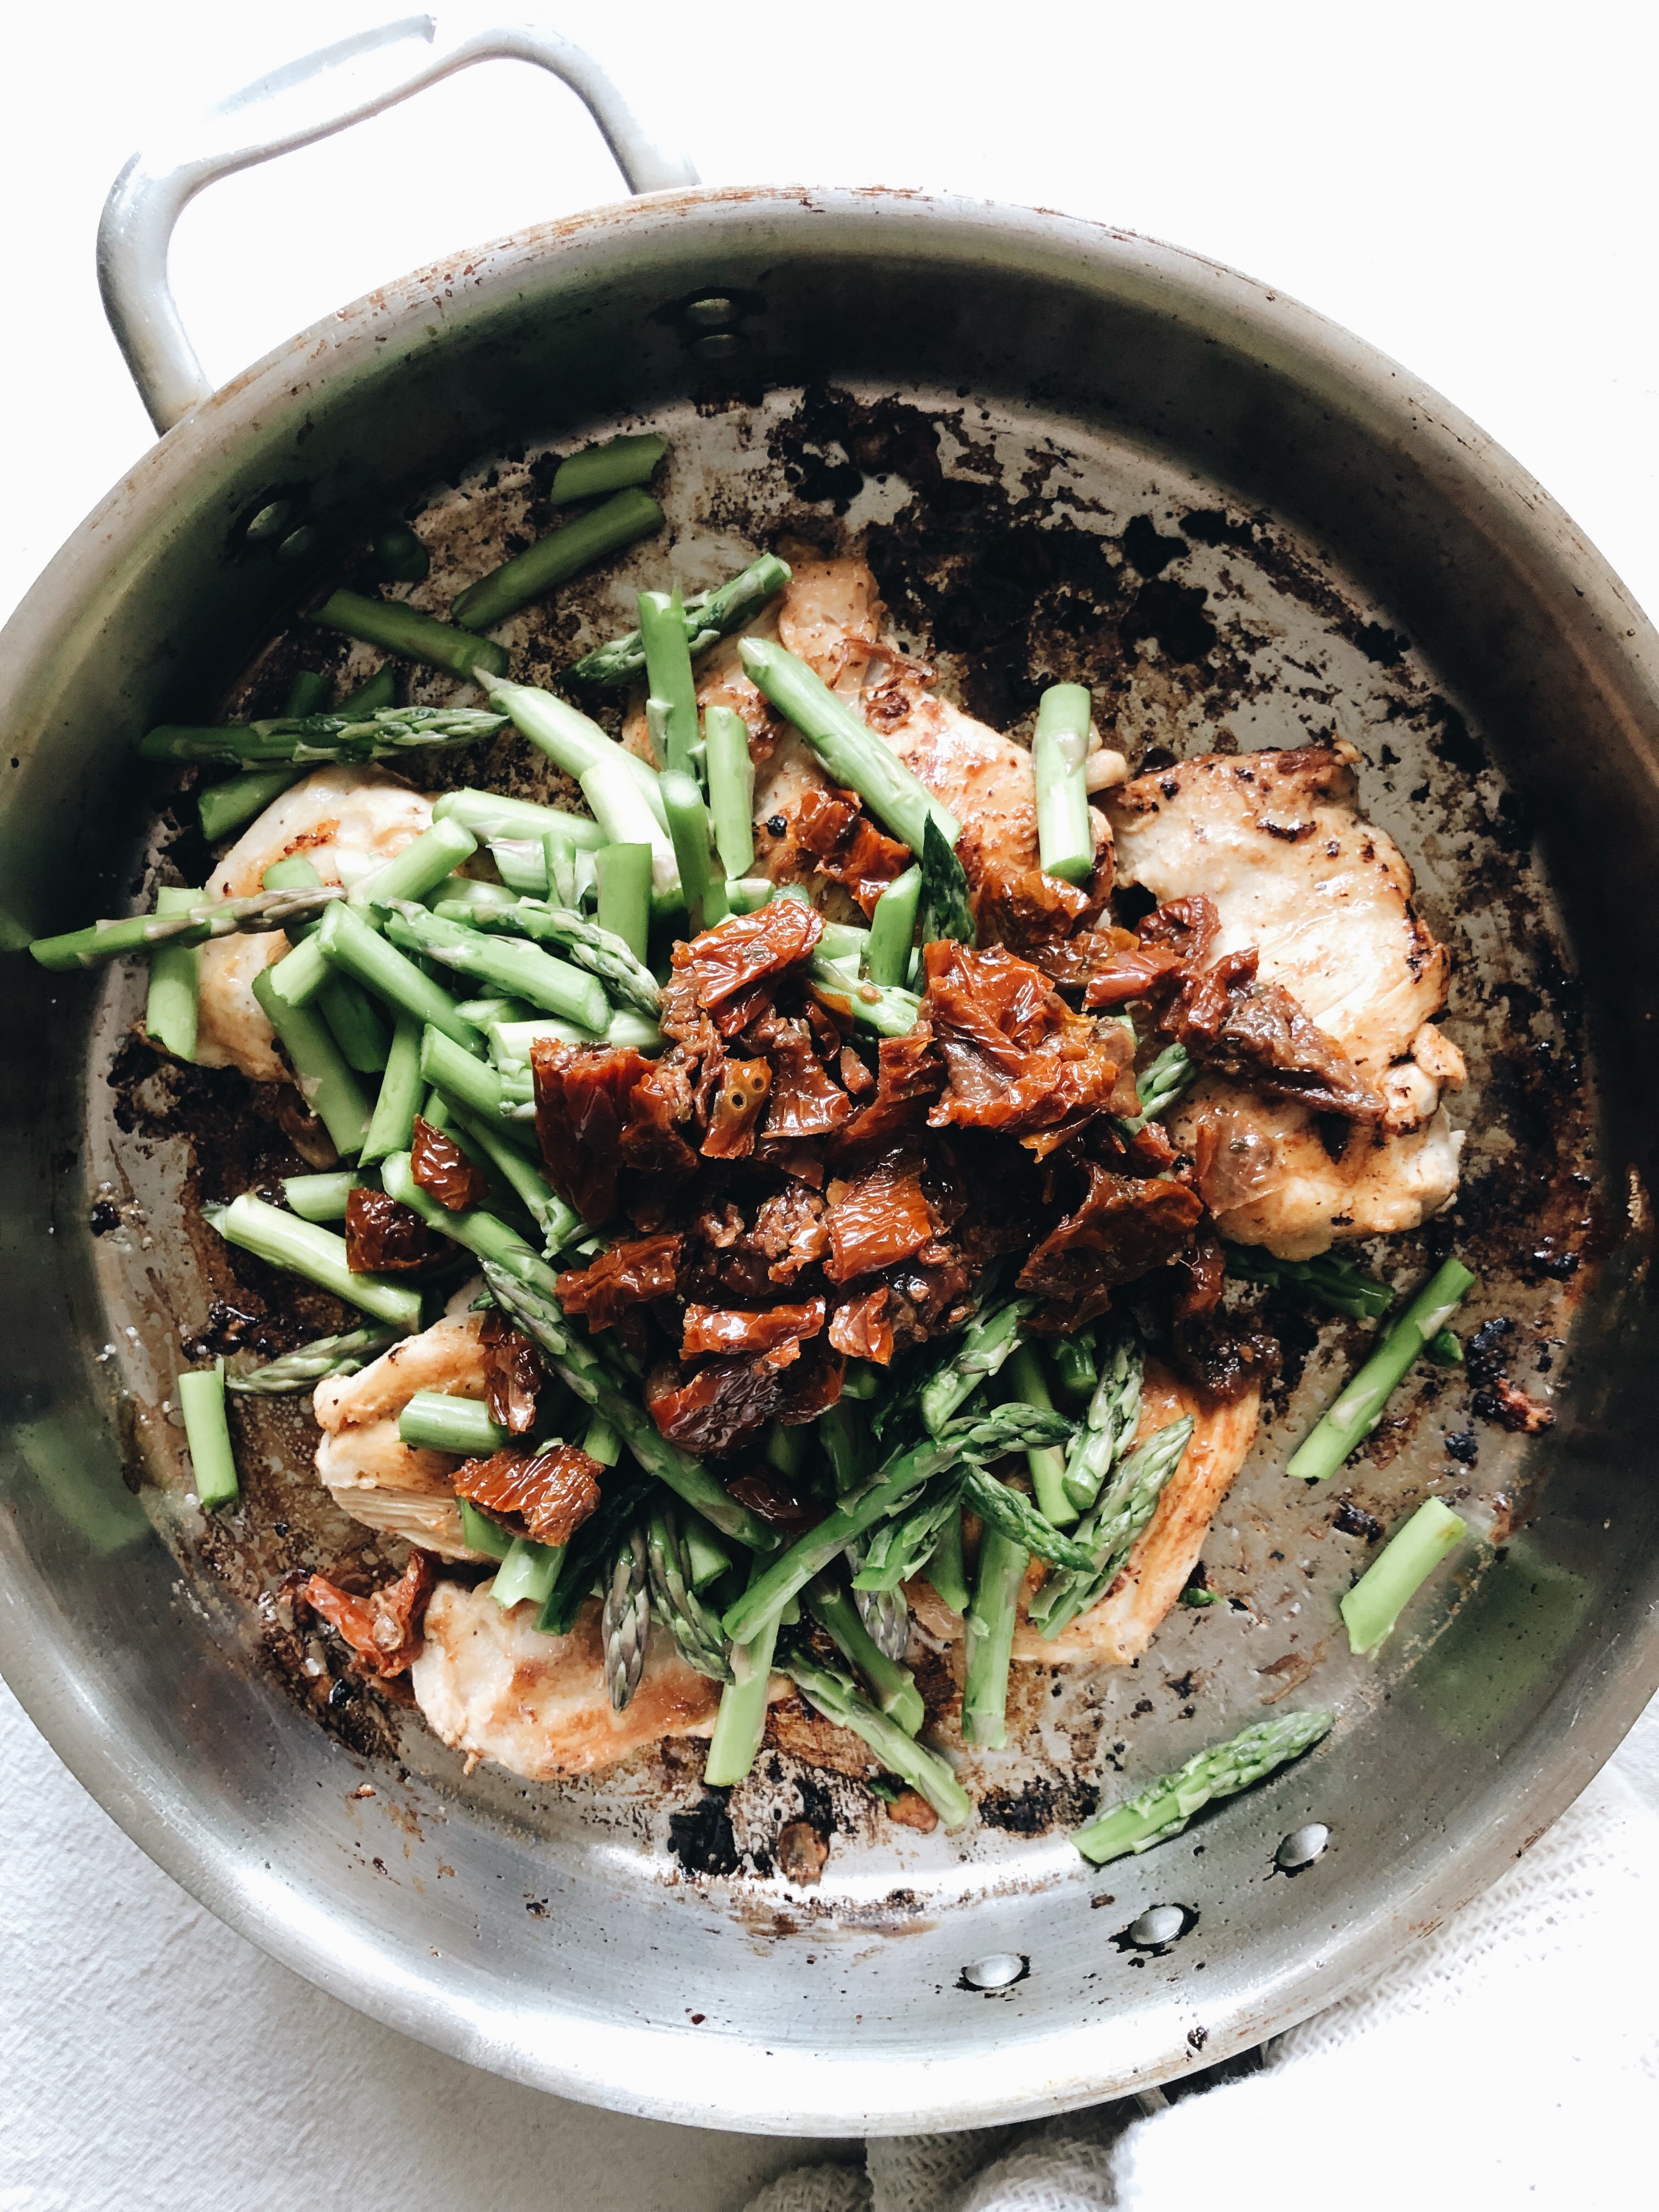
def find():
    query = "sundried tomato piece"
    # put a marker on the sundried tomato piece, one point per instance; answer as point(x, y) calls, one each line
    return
point(719, 1406)
point(1188, 926)
point(545, 1496)
point(745, 947)
point(382, 1630)
point(514, 1374)
point(712, 1328)
point(1126, 1226)
point(877, 1219)
point(1023, 907)
point(861, 1327)
point(909, 1075)
point(629, 1274)
point(443, 1170)
point(789, 1231)
point(1016, 1056)
point(1130, 970)
point(385, 1238)
point(744, 1086)
point(856, 1078)
point(769, 1501)
point(806, 1101)
point(847, 845)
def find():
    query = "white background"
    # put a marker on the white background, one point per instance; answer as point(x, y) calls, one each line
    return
point(1470, 186)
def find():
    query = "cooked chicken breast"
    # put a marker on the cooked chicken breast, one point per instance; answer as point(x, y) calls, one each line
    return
point(1276, 841)
point(373, 1475)
point(1119, 1628)
point(492, 1686)
point(345, 821)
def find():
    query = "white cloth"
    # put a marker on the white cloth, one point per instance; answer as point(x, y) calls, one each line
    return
point(1506, 2060)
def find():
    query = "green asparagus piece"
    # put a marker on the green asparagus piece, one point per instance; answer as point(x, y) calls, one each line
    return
point(175, 978)
point(889, 1013)
point(668, 675)
point(399, 554)
point(674, 1600)
point(491, 814)
point(400, 629)
point(625, 1619)
point(708, 617)
point(536, 1310)
point(1109, 1533)
point(471, 1086)
point(304, 1248)
point(892, 1685)
point(1074, 1359)
point(226, 806)
point(433, 1420)
point(840, 1701)
point(379, 690)
point(355, 1025)
point(474, 1227)
point(992, 1338)
point(392, 1125)
point(321, 1071)
point(347, 941)
point(624, 872)
point(560, 1224)
point(480, 1533)
point(1329, 1280)
point(741, 1720)
point(601, 1442)
point(320, 1197)
point(600, 950)
point(527, 1574)
point(424, 863)
point(1113, 1416)
point(886, 1618)
point(703, 888)
point(1374, 1604)
point(509, 963)
point(845, 1443)
point(1046, 1464)
point(147, 932)
point(1359, 1408)
point(852, 752)
point(553, 560)
point(1168, 1077)
point(946, 908)
point(306, 695)
point(1065, 839)
point(510, 1042)
point(898, 1549)
point(591, 1550)
point(317, 740)
point(310, 1363)
point(1164, 1807)
point(990, 1624)
point(575, 744)
point(1003, 1507)
point(1006, 1428)
point(613, 466)
point(731, 788)
point(893, 929)
point(945, 1570)
point(486, 1013)
point(628, 816)
point(1444, 1349)
point(202, 1401)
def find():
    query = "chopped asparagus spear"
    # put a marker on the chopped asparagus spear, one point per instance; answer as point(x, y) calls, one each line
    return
point(309, 1363)
point(527, 1574)
point(317, 740)
point(553, 560)
point(1113, 1413)
point(624, 880)
point(1168, 1077)
point(892, 1685)
point(400, 629)
point(1330, 1280)
point(1374, 1604)
point(474, 1227)
point(897, 1549)
point(850, 750)
point(1065, 839)
point(674, 1599)
point(990, 1624)
point(226, 806)
point(347, 941)
point(1074, 1366)
point(306, 695)
point(509, 963)
point(480, 1533)
point(399, 554)
point(1109, 1533)
point(946, 1572)
point(104, 941)
point(991, 1339)
point(668, 675)
point(424, 863)
point(1011, 1510)
point(321, 1070)
point(1445, 1349)
point(625, 1619)
point(304, 1248)
point(175, 981)
point(1359, 1408)
point(433, 1420)
point(589, 944)
point(893, 929)
point(1164, 1807)
point(840, 1701)
point(465, 1081)
point(392, 1125)
point(709, 615)
point(1046, 1464)
point(560, 1224)
point(629, 816)
point(613, 466)
point(489, 815)
point(320, 1197)
point(601, 1442)
point(380, 690)
point(731, 790)
point(889, 1012)
point(202, 1402)
point(573, 743)
point(688, 823)
point(741, 1720)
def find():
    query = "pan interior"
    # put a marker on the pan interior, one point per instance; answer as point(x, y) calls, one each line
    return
point(1014, 550)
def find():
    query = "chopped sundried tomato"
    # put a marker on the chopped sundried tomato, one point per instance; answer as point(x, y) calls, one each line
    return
point(514, 1374)
point(1016, 1058)
point(382, 1630)
point(806, 1101)
point(601, 1109)
point(1188, 926)
point(856, 1078)
point(710, 1328)
point(813, 1385)
point(443, 1170)
point(545, 1495)
point(745, 947)
point(1126, 969)
point(1201, 1269)
point(769, 1501)
point(847, 845)
point(789, 1231)
point(909, 1074)
point(1023, 907)
point(1126, 1226)
point(744, 1088)
point(719, 1406)
point(1229, 1021)
point(629, 1274)
point(861, 1328)
point(877, 1219)
point(385, 1238)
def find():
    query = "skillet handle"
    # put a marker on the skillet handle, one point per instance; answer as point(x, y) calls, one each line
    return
point(295, 106)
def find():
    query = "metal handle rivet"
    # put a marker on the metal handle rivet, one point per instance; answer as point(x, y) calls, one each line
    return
point(719, 345)
point(1159, 1924)
point(270, 522)
point(712, 314)
point(299, 543)
point(1302, 1849)
point(995, 1970)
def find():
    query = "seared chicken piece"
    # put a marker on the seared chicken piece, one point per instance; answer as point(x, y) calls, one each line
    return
point(830, 616)
point(345, 821)
point(1275, 841)
point(373, 1475)
point(1119, 1628)
point(492, 1686)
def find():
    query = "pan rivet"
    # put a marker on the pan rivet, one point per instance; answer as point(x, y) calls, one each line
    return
point(712, 314)
point(719, 345)
point(299, 543)
point(270, 522)
point(1302, 1849)
point(995, 1970)
point(1162, 1923)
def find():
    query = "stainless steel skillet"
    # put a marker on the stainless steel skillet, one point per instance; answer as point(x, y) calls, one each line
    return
point(1067, 451)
